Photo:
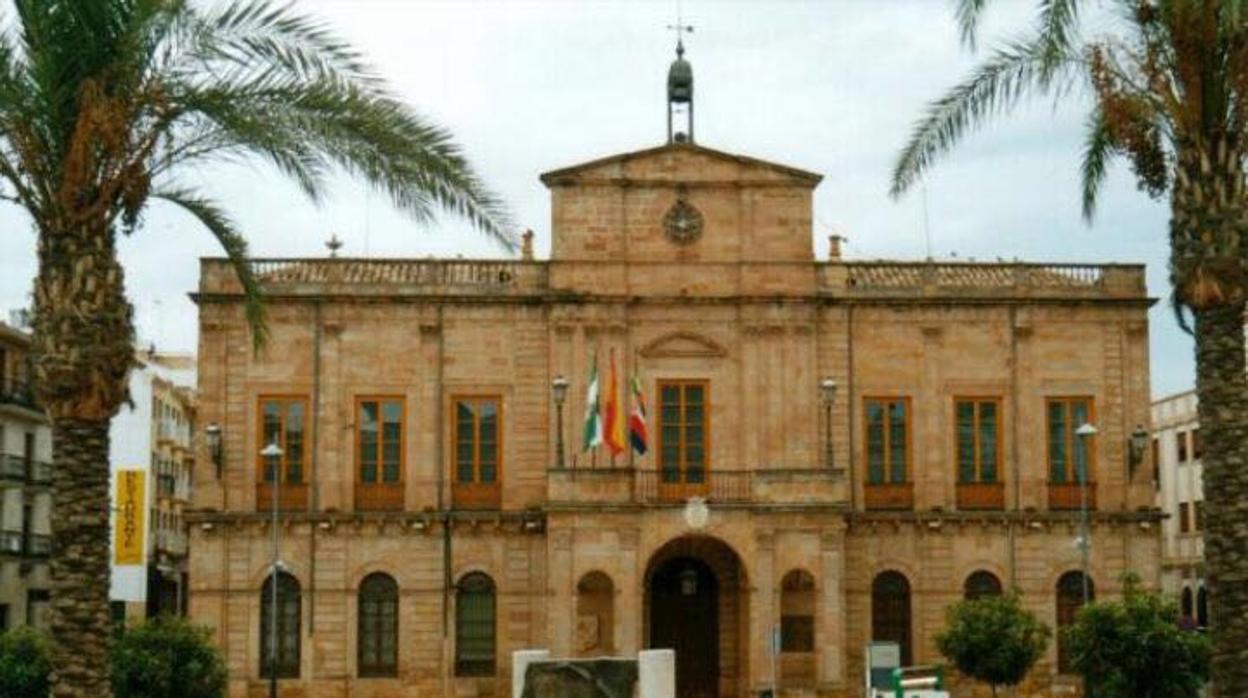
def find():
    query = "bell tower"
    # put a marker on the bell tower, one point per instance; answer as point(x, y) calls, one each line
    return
point(680, 89)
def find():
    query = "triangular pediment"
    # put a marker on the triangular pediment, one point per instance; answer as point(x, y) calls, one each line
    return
point(683, 345)
point(679, 162)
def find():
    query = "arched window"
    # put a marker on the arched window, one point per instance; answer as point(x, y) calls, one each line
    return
point(981, 584)
point(595, 615)
point(1202, 608)
point(797, 612)
point(1186, 603)
point(286, 657)
point(377, 635)
point(474, 626)
point(890, 612)
point(1069, 601)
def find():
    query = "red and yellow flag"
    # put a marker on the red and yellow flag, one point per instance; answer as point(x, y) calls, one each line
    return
point(614, 433)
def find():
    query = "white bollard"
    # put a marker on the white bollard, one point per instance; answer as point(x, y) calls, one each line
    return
point(520, 661)
point(656, 674)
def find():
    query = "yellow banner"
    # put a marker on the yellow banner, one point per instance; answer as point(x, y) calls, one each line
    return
point(131, 508)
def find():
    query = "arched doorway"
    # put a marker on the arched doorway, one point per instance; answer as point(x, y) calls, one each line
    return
point(696, 604)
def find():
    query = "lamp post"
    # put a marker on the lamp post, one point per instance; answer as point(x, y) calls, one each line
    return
point(272, 455)
point(827, 390)
point(1085, 434)
point(559, 390)
point(212, 436)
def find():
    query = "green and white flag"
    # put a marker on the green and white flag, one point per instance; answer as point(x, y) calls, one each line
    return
point(593, 417)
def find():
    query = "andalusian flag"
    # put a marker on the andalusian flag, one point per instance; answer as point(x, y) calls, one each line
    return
point(615, 415)
point(593, 420)
point(637, 420)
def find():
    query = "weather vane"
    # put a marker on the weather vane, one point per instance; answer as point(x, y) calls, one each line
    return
point(680, 28)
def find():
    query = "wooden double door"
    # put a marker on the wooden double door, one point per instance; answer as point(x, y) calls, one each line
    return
point(684, 616)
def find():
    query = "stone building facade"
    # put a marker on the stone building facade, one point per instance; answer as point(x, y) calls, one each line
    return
point(25, 486)
point(1181, 496)
point(439, 513)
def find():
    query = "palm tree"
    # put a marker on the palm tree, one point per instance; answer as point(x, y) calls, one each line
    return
point(103, 103)
point(1167, 84)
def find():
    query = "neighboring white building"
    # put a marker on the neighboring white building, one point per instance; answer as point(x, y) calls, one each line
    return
point(154, 436)
point(25, 487)
point(1180, 494)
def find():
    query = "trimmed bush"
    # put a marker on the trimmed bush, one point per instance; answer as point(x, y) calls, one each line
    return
point(24, 663)
point(167, 657)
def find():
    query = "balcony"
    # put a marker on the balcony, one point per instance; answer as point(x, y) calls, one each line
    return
point(16, 469)
point(379, 496)
point(476, 496)
point(20, 392)
point(648, 486)
point(25, 545)
point(717, 486)
point(981, 496)
point(11, 543)
point(290, 498)
point(1067, 496)
point(37, 545)
point(888, 496)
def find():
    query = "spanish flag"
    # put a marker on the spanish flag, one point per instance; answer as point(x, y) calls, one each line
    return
point(614, 435)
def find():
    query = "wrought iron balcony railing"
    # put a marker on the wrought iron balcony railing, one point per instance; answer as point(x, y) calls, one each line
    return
point(20, 469)
point(18, 392)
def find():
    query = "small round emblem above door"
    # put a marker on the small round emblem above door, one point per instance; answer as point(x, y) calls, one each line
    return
point(683, 222)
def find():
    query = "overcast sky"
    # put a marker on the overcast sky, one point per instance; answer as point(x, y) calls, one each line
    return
point(827, 86)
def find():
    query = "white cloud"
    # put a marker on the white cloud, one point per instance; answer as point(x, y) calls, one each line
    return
point(529, 86)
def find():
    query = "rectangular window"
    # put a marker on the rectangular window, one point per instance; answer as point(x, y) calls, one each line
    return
point(977, 435)
point(1068, 457)
point(283, 422)
point(1156, 463)
point(683, 432)
point(1185, 525)
point(1197, 448)
point(1198, 516)
point(1180, 441)
point(477, 449)
point(888, 440)
point(380, 440)
point(797, 634)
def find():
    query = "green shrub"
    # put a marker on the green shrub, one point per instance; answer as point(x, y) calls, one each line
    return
point(993, 639)
point(1135, 648)
point(24, 663)
point(167, 657)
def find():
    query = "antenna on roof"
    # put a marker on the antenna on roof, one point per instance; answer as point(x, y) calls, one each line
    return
point(927, 225)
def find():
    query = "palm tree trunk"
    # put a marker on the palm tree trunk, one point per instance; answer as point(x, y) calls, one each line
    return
point(1222, 389)
point(80, 571)
point(1208, 234)
point(83, 350)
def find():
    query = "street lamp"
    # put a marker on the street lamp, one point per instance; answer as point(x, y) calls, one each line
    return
point(212, 436)
point(559, 390)
point(827, 389)
point(272, 456)
point(1086, 432)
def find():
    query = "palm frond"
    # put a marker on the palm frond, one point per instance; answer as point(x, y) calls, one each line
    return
point(1058, 26)
point(254, 35)
point(305, 127)
point(968, 14)
point(1097, 150)
point(214, 218)
point(997, 85)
